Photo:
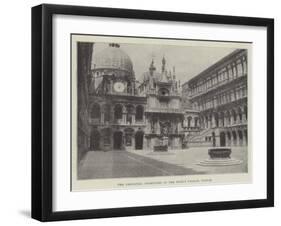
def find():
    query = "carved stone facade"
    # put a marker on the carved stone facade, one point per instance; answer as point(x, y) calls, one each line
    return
point(163, 112)
point(124, 114)
point(219, 96)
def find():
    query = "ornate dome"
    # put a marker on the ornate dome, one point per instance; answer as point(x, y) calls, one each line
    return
point(112, 57)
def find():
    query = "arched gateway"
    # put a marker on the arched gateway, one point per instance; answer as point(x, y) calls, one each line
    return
point(117, 140)
point(222, 139)
point(95, 140)
point(139, 140)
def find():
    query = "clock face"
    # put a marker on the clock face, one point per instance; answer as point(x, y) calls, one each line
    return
point(119, 87)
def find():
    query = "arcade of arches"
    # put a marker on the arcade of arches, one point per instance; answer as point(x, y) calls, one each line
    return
point(230, 126)
point(119, 113)
point(220, 127)
point(121, 139)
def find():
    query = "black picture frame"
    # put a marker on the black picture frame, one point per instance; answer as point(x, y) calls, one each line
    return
point(42, 107)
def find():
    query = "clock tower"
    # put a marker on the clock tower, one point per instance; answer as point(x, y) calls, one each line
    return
point(117, 111)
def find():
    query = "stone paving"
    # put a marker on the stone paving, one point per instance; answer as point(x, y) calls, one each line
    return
point(139, 163)
point(189, 158)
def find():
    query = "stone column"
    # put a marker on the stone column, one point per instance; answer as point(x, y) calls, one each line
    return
point(112, 117)
point(124, 118)
point(218, 140)
point(226, 139)
point(244, 120)
point(213, 125)
point(110, 86)
point(242, 143)
point(220, 121)
point(229, 139)
point(133, 118)
point(145, 144)
point(179, 127)
point(232, 139)
point(231, 120)
point(157, 127)
point(133, 141)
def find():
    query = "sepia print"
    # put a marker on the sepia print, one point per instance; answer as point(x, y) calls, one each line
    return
point(150, 112)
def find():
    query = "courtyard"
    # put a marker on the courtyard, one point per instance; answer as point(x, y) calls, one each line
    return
point(140, 163)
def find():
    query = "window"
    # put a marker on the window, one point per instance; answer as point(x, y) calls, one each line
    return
point(239, 68)
point(118, 111)
point(139, 113)
point(95, 113)
point(163, 92)
point(107, 113)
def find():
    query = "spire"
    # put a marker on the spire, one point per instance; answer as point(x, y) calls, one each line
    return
point(174, 72)
point(152, 67)
point(163, 64)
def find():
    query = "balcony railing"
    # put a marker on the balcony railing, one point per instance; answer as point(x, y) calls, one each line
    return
point(116, 122)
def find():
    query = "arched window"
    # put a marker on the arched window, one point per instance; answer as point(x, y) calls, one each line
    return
point(240, 114)
point(118, 111)
point(234, 115)
point(239, 68)
point(228, 117)
point(246, 112)
point(163, 92)
point(107, 113)
point(216, 116)
point(196, 122)
point(95, 112)
point(139, 113)
point(189, 121)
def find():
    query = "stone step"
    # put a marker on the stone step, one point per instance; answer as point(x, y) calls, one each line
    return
point(219, 162)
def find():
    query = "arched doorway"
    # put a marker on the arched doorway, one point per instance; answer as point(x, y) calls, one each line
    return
point(222, 139)
point(214, 139)
point(240, 115)
point(216, 117)
point(95, 140)
point(234, 138)
point(246, 137)
point(139, 140)
point(117, 140)
point(228, 138)
point(240, 136)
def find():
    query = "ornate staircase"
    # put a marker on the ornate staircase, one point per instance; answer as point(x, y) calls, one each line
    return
point(199, 139)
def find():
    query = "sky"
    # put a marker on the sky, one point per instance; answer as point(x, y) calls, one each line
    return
point(189, 61)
